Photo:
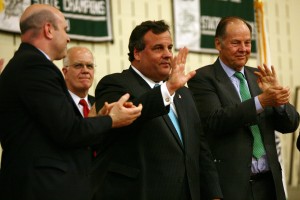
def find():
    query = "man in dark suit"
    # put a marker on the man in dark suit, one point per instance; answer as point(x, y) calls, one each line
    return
point(78, 69)
point(44, 137)
point(150, 159)
point(241, 131)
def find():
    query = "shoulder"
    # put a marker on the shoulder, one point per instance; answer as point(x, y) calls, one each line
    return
point(250, 69)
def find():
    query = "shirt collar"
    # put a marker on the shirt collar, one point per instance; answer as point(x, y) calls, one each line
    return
point(148, 80)
point(45, 54)
point(229, 71)
point(77, 98)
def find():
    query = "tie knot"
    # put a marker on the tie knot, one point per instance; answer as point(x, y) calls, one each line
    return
point(156, 85)
point(85, 110)
point(240, 76)
point(83, 102)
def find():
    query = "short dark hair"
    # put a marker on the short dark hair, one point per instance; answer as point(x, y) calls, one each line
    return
point(37, 20)
point(221, 28)
point(136, 40)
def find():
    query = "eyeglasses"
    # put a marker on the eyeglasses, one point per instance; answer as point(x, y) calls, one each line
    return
point(81, 66)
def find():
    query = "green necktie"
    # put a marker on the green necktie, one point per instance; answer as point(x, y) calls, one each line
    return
point(258, 146)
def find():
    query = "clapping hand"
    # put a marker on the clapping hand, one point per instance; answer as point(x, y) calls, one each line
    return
point(273, 93)
point(178, 78)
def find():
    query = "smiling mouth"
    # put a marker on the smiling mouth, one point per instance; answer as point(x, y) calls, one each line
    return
point(168, 64)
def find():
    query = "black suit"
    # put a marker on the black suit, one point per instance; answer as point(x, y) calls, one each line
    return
point(147, 160)
point(91, 99)
point(226, 121)
point(43, 135)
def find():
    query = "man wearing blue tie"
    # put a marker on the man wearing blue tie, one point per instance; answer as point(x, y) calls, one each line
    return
point(164, 154)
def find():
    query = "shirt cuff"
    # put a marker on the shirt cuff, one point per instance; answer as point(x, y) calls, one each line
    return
point(168, 99)
point(258, 106)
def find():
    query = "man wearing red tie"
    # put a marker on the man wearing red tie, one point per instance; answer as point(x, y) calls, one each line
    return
point(78, 70)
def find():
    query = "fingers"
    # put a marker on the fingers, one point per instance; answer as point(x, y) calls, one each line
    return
point(92, 112)
point(182, 55)
point(275, 96)
point(125, 116)
point(190, 75)
point(128, 104)
point(123, 99)
point(273, 71)
point(266, 71)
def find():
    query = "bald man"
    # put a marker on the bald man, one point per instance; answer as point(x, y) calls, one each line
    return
point(44, 137)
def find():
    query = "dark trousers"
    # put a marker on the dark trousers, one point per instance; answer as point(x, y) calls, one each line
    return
point(262, 187)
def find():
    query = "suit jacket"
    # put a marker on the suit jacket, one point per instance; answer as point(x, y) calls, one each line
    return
point(146, 160)
point(44, 137)
point(227, 120)
point(91, 99)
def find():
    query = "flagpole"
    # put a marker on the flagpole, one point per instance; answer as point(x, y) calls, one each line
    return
point(263, 47)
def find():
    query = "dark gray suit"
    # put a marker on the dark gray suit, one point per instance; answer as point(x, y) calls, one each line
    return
point(146, 160)
point(226, 122)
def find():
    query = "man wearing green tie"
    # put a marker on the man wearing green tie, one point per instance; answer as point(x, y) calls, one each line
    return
point(241, 108)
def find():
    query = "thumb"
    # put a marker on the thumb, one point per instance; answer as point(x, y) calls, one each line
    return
point(124, 98)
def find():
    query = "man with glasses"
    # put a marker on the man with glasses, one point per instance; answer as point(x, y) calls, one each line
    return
point(78, 70)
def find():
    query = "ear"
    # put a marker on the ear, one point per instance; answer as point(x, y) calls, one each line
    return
point(218, 44)
point(137, 54)
point(48, 30)
point(64, 70)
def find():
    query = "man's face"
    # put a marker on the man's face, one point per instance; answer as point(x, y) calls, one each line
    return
point(79, 75)
point(235, 47)
point(154, 60)
point(60, 37)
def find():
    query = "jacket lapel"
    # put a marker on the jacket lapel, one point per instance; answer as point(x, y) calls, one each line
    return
point(225, 83)
point(181, 115)
point(141, 86)
point(251, 80)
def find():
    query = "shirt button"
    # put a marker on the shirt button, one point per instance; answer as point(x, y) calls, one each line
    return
point(167, 99)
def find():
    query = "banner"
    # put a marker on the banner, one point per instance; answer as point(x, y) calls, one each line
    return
point(88, 20)
point(195, 21)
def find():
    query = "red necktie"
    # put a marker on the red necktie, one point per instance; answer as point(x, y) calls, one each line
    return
point(86, 111)
point(85, 106)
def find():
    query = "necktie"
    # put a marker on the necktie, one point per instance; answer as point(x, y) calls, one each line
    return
point(85, 106)
point(258, 147)
point(86, 111)
point(174, 120)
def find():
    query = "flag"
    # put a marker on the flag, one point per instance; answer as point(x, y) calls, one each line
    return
point(264, 57)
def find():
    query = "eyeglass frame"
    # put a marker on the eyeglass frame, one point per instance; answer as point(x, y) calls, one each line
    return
point(80, 66)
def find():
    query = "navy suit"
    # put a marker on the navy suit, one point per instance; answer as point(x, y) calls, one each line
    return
point(146, 160)
point(226, 123)
point(44, 137)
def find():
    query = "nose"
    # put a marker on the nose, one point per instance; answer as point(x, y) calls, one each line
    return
point(167, 53)
point(84, 68)
point(68, 39)
point(245, 47)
